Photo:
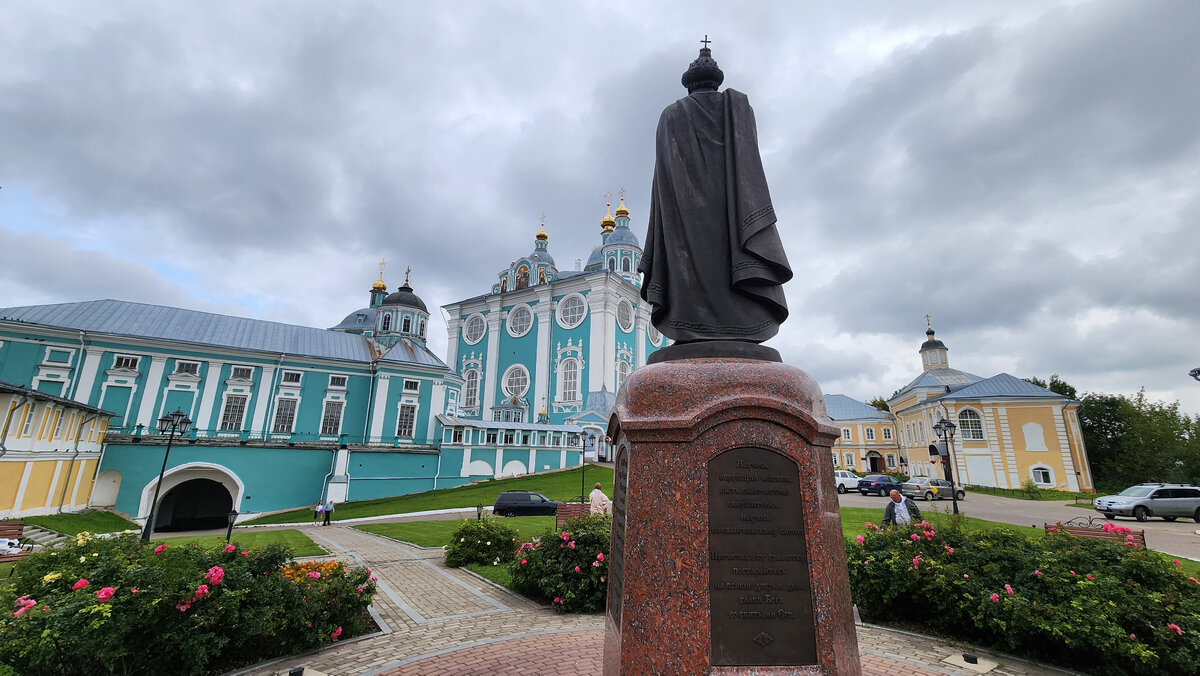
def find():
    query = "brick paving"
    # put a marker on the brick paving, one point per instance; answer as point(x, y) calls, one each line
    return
point(439, 620)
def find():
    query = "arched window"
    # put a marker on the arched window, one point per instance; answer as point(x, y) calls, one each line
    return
point(626, 265)
point(387, 323)
point(970, 425)
point(406, 324)
point(421, 330)
point(471, 389)
point(622, 372)
point(569, 387)
point(612, 265)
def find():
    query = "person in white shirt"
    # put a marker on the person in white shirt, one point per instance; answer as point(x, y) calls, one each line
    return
point(900, 510)
point(600, 501)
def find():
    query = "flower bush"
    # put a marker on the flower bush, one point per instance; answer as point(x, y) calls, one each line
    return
point(567, 568)
point(116, 605)
point(1092, 605)
point(487, 541)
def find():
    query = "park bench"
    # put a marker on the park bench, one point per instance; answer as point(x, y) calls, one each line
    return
point(570, 510)
point(14, 530)
point(1090, 527)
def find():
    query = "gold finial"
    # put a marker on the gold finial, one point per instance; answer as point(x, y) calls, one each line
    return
point(379, 285)
point(929, 321)
point(608, 222)
point(543, 405)
point(542, 233)
point(621, 210)
point(407, 271)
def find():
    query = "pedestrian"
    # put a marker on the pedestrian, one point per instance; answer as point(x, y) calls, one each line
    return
point(900, 510)
point(318, 512)
point(328, 512)
point(600, 502)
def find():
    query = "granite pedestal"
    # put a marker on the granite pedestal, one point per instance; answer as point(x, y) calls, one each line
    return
point(727, 553)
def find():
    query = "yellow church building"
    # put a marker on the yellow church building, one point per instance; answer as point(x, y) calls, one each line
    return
point(1009, 431)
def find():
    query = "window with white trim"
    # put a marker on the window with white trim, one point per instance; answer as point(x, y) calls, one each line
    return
point(516, 381)
point(848, 459)
point(520, 320)
point(626, 265)
point(625, 315)
point(471, 389)
point(491, 437)
point(406, 421)
point(571, 311)
point(387, 322)
point(891, 460)
point(241, 372)
point(285, 416)
point(517, 416)
point(421, 328)
point(337, 381)
point(835, 459)
point(887, 434)
point(27, 428)
point(474, 329)
point(291, 377)
point(622, 372)
point(412, 386)
point(569, 388)
point(457, 437)
point(190, 368)
point(845, 434)
point(612, 265)
point(124, 361)
point(331, 418)
point(870, 432)
point(970, 425)
point(1042, 475)
point(509, 437)
point(406, 324)
point(233, 413)
point(58, 423)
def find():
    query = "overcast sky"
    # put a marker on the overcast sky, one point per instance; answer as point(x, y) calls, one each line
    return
point(1025, 172)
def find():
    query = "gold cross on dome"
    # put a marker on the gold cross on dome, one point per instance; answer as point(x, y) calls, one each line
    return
point(382, 263)
point(608, 198)
point(543, 220)
point(621, 192)
point(406, 271)
point(928, 321)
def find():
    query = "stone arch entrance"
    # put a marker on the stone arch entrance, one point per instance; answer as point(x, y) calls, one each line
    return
point(875, 462)
point(198, 504)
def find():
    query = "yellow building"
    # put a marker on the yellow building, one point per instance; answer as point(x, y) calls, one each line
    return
point(49, 451)
point(1009, 431)
point(867, 443)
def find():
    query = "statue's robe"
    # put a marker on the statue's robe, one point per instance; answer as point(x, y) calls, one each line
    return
point(713, 262)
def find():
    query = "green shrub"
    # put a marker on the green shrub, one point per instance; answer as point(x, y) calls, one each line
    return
point(147, 609)
point(488, 541)
point(568, 568)
point(1087, 604)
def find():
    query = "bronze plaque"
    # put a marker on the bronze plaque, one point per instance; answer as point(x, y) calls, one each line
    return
point(759, 592)
point(616, 561)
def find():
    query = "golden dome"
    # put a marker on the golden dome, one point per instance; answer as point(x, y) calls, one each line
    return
point(379, 285)
point(608, 222)
point(542, 232)
point(621, 210)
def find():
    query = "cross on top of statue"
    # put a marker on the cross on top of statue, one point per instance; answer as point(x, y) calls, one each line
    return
point(706, 41)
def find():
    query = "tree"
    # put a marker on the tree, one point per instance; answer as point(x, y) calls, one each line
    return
point(880, 403)
point(1056, 385)
point(1131, 440)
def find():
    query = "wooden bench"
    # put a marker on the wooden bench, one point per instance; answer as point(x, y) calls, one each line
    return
point(570, 510)
point(1097, 533)
point(14, 530)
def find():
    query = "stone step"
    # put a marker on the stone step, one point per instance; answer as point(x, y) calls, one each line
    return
point(44, 537)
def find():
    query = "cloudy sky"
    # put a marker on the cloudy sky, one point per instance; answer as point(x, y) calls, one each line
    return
point(1025, 172)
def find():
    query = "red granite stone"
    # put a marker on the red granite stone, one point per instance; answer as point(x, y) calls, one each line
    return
point(670, 420)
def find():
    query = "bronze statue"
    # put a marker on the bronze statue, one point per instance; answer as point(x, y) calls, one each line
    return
point(713, 261)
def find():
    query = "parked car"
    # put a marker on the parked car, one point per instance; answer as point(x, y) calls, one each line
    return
point(929, 489)
point(845, 479)
point(524, 503)
point(1168, 501)
point(879, 484)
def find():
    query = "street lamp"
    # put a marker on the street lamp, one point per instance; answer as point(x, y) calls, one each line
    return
point(1195, 373)
point(232, 518)
point(172, 425)
point(945, 431)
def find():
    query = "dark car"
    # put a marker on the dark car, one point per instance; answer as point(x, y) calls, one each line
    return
point(524, 503)
point(879, 484)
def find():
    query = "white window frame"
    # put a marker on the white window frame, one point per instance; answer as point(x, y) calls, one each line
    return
point(185, 367)
point(275, 423)
point(846, 434)
point(891, 461)
point(562, 304)
point(338, 386)
point(623, 371)
point(626, 264)
point(415, 383)
point(869, 433)
point(299, 378)
point(406, 324)
point(324, 414)
point(627, 308)
point(521, 309)
point(221, 421)
point(471, 382)
point(963, 428)
point(466, 328)
point(137, 360)
point(1051, 483)
point(887, 434)
point(564, 388)
point(233, 372)
point(508, 373)
point(399, 414)
point(27, 421)
point(849, 460)
point(385, 324)
point(421, 329)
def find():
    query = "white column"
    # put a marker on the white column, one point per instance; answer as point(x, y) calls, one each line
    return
point(598, 336)
point(453, 327)
point(437, 404)
point(264, 398)
point(150, 392)
point(381, 396)
point(496, 466)
point(492, 367)
point(212, 382)
point(87, 374)
point(639, 334)
point(541, 363)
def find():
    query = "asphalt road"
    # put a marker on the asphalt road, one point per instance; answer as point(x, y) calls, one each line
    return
point(1178, 538)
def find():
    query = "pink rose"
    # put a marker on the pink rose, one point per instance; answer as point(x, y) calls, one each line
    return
point(372, 578)
point(182, 607)
point(1193, 580)
point(602, 579)
point(80, 584)
point(595, 564)
point(557, 600)
point(1133, 636)
point(1089, 576)
point(948, 548)
point(105, 594)
point(523, 562)
point(914, 536)
point(860, 539)
point(916, 562)
point(600, 556)
point(215, 575)
point(1072, 572)
point(229, 549)
point(995, 598)
point(134, 590)
point(1038, 573)
point(1008, 588)
point(316, 574)
point(571, 544)
point(159, 549)
point(245, 553)
point(1178, 562)
point(336, 633)
point(201, 590)
point(965, 576)
point(1175, 628)
point(576, 569)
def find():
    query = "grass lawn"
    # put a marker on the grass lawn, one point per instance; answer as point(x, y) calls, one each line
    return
point(561, 486)
point(498, 574)
point(299, 542)
point(92, 522)
point(437, 533)
point(1040, 494)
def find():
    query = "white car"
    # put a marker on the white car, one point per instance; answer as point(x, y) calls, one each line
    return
point(845, 479)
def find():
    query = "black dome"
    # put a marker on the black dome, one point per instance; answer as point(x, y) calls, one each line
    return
point(405, 296)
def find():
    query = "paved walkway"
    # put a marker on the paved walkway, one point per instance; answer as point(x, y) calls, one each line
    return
point(438, 620)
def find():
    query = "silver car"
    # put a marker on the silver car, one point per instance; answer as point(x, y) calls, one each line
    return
point(928, 489)
point(1168, 501)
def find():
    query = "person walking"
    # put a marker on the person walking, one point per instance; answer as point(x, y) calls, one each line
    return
point(900, 510)
point(600, 502)
point(328, 512)
point(318, 512)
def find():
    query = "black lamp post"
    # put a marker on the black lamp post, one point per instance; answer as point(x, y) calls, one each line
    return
point(232, 516)
point(172, 425)
point(479, 512)
point(1195, 373)
point(945, 431)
